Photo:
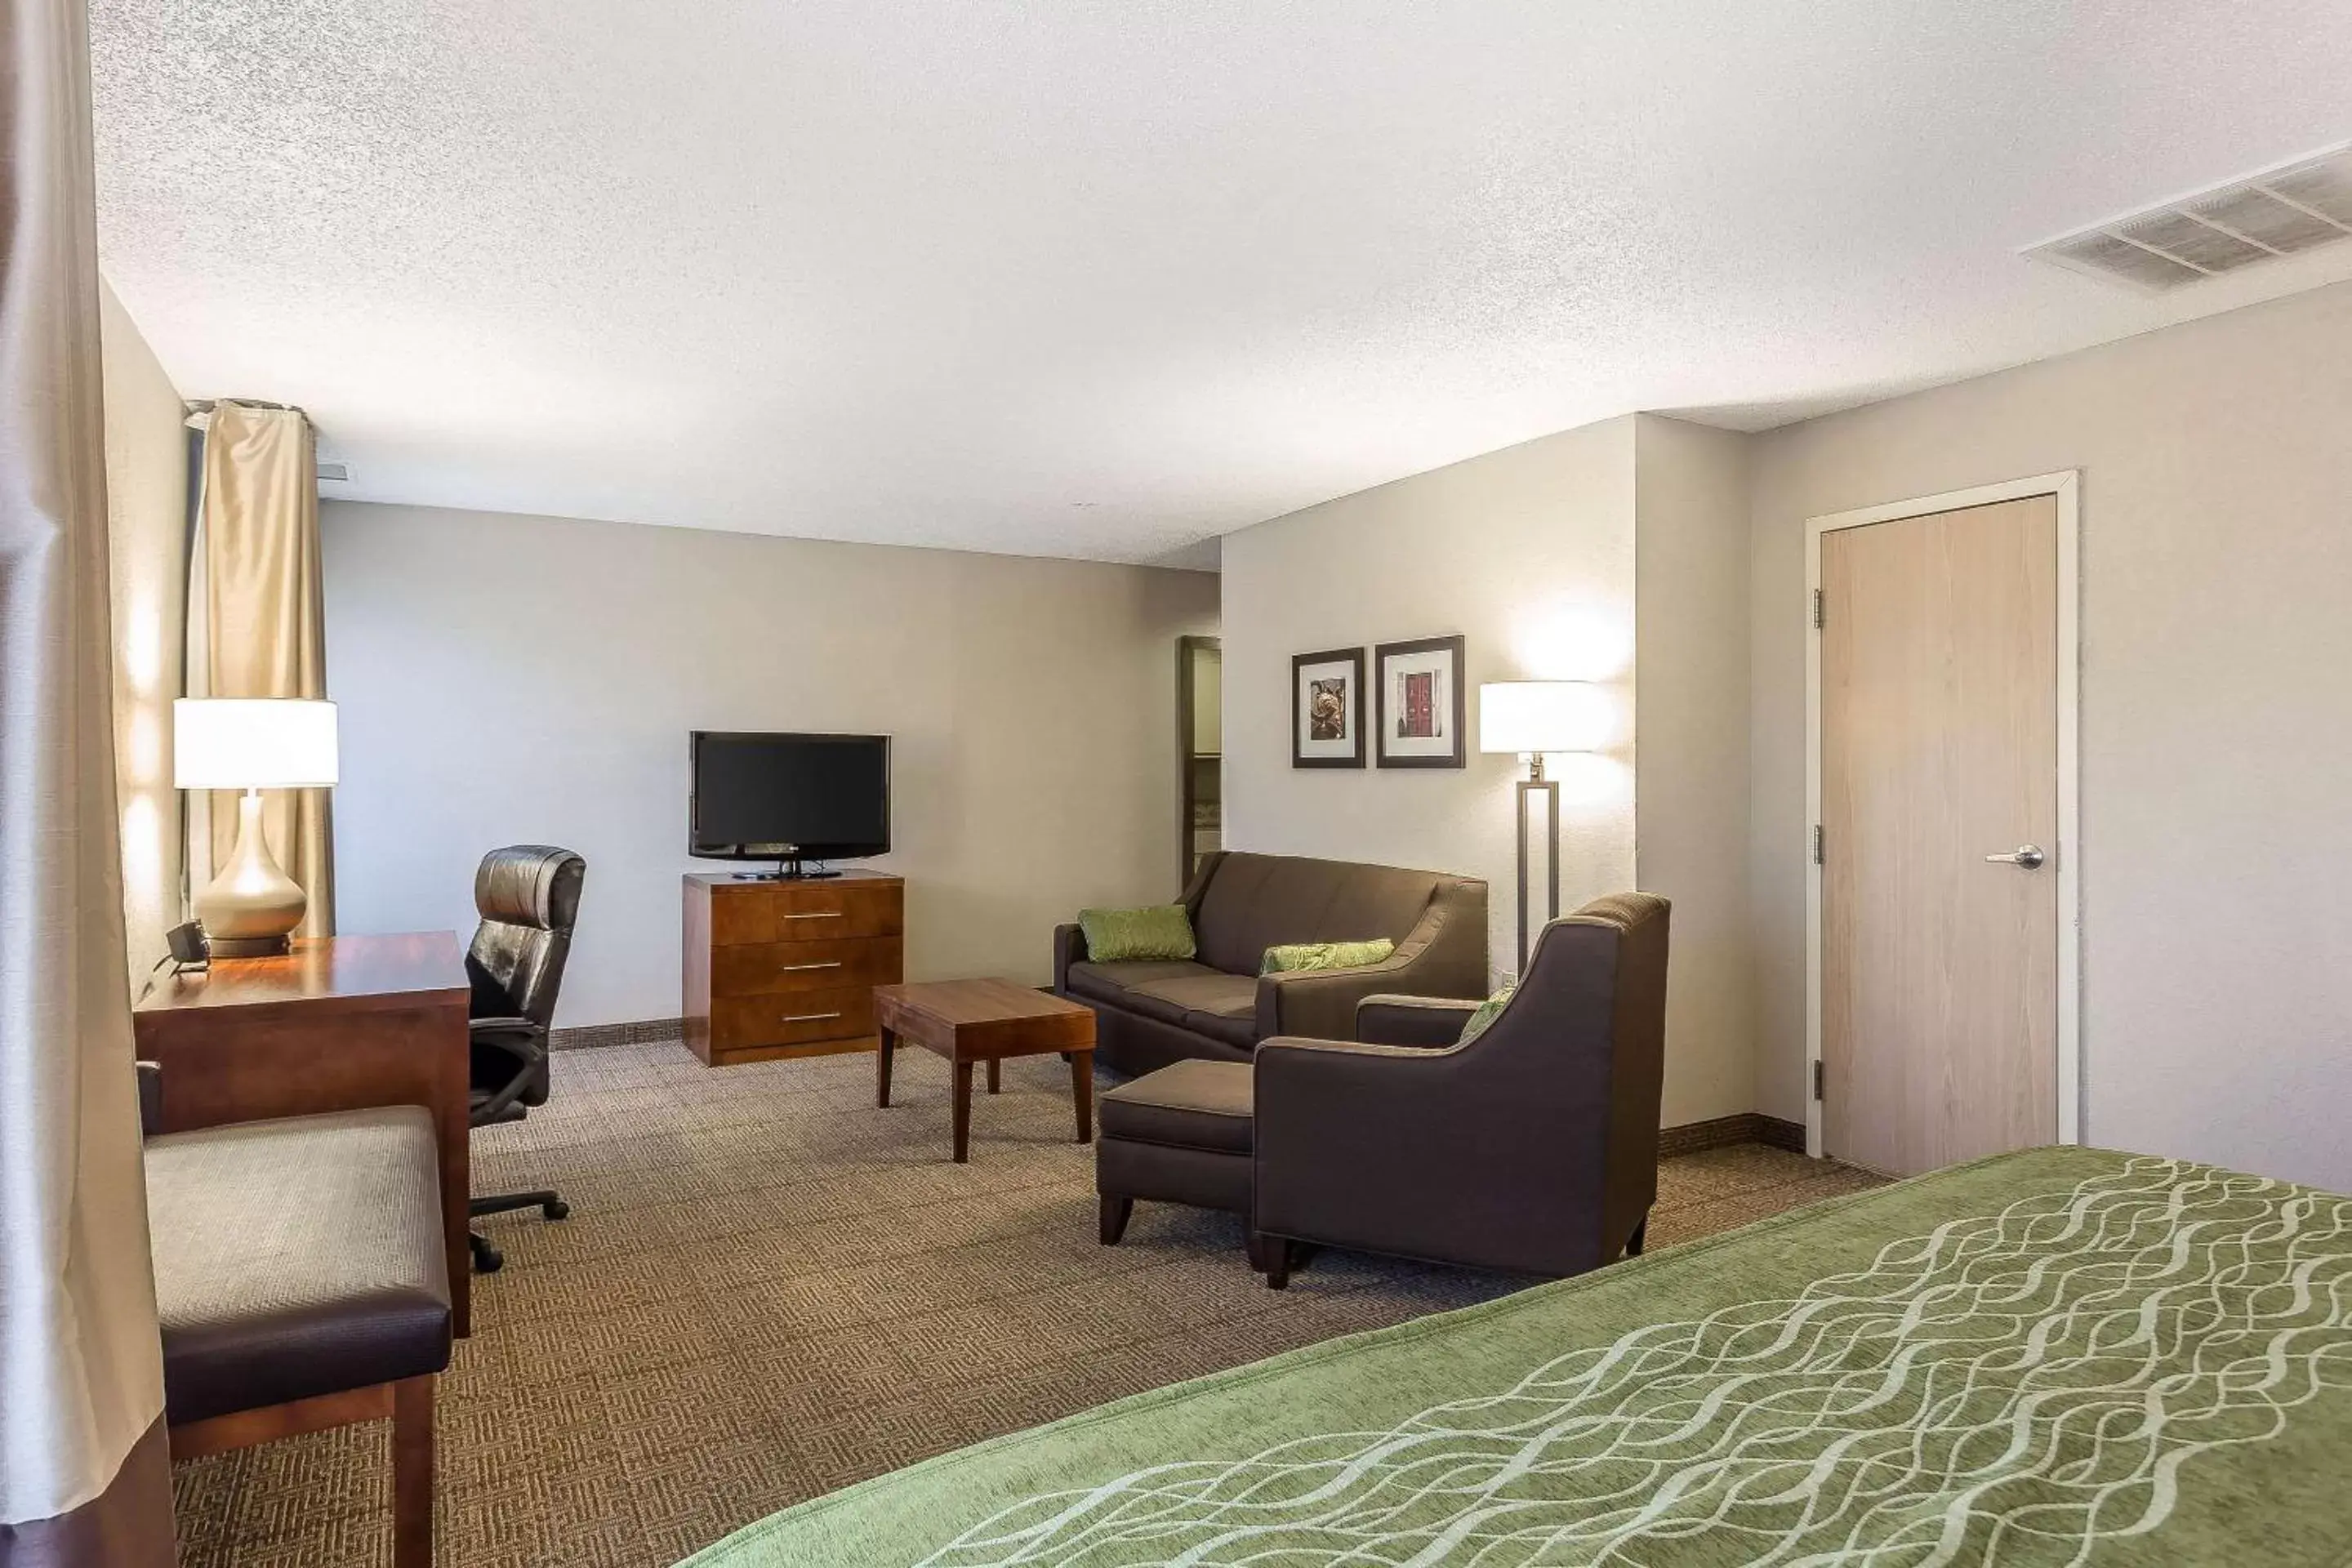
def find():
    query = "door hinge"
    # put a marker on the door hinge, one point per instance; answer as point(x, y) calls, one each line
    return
point(1821, 1078)
point(1818, 844)
point(1820, 610)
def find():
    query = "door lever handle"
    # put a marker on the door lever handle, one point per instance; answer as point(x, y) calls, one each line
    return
point(2025, 857)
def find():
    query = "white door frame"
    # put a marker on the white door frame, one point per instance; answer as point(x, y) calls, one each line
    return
point(2066, 853)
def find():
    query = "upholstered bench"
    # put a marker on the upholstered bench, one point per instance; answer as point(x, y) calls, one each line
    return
point(1182, 1135)
point(302, 1283)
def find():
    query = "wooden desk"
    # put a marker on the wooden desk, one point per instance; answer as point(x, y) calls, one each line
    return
point(342, 1023)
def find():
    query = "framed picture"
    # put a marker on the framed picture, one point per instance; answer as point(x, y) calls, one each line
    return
point(1422, 707)
point(1326, 708)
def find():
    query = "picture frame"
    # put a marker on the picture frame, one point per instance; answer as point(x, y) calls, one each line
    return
point(1423, 711)
point(1326, 708)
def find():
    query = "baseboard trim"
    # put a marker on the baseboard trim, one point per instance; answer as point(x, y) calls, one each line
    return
point(644, 1031)
point(1747, 1127)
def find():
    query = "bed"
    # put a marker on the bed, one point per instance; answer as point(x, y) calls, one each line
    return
point(2059, 1356)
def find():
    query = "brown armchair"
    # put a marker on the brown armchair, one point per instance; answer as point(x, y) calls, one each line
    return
point(1532, 1148)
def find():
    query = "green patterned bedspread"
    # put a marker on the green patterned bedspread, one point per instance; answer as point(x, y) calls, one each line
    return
point(2062, 1356)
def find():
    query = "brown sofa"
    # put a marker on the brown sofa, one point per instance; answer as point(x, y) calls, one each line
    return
point(1217, 1006)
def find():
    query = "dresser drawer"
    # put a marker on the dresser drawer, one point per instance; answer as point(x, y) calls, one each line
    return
point(789, 1017)
point(805, 911)
point(756, 968)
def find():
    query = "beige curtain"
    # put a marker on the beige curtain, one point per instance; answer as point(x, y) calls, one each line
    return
point(255, 627)
point(83, 1472)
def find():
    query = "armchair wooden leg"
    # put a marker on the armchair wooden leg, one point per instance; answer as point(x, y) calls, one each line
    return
point(411, 1473)
point(1273, 1257)
point(1114, 1216)
point(1641, 1233)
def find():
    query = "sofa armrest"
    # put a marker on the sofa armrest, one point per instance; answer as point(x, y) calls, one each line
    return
point(1444, 955)
point(1423, 1021)
point(1069, 947)
point(1320, 1004)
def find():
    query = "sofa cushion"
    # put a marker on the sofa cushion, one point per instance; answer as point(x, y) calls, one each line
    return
point(1231, 995)
point(1236, 1030)
point(1256, 901)
point(1112, 981)
point(297, 1258)
point(1189, 1105)
point(1190, 998)
point(1222, 1007)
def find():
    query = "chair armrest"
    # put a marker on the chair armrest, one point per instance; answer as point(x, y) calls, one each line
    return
point(518, 1036)
point(1423, 1021)
point(522, 1040)
point(1069, 947)
point(1350, 1139)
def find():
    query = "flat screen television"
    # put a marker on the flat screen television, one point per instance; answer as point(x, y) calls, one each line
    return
point(788, 798)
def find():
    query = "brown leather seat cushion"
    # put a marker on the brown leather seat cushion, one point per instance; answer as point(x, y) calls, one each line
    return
point(1112, 981)
point(1192, 1104)
point(297, 1258)
point(1221, 1005)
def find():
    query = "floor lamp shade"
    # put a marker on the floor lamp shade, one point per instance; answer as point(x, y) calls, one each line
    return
point(1532, 717)
point(252, 744)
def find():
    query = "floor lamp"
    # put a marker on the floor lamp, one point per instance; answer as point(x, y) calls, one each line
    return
point(1530, 718)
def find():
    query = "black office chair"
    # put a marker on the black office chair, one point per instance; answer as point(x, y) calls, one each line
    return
point(528, 896)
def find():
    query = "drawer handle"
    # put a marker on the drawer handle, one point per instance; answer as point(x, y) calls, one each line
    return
point(809, 1017)
point(815, 915)
point(796, 968)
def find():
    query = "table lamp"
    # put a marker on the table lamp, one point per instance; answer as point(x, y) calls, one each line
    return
point(1531, 718)
point(252, 744)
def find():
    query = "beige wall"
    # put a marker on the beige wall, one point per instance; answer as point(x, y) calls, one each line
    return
point(508, 679)
point(1690, 786)
point(2215, 712)
point(1526, 551)
point(147, 500)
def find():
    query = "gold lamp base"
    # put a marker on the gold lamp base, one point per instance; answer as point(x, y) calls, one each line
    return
point(252, 907)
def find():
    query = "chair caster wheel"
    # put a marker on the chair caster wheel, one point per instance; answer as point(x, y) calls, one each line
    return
point(488, 1259)
point(559, 1209)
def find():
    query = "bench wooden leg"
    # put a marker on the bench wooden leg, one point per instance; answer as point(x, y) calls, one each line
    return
point(408, 1402)
point(411, 1473)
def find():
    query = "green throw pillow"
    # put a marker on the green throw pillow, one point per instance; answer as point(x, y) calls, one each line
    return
point(1156, 932)
point(1296, 955)
point(1489, 1011)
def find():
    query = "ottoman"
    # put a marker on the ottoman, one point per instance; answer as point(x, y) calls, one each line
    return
point(1180, 1135)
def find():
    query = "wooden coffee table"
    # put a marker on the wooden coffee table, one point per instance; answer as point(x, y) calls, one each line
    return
point(970, 1021)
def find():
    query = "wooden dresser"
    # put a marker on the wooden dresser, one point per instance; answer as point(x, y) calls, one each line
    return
point(788, 969)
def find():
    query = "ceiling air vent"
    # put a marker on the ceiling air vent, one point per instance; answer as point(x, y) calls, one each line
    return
point(335, 473)
point(2296, 207)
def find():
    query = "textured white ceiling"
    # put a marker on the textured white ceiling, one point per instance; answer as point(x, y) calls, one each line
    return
point(1105, 279)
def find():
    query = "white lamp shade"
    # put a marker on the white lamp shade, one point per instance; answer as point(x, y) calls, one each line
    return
point(1537, 716)
point(252, 742)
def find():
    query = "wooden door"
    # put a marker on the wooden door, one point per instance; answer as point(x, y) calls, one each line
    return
point(1940, 749)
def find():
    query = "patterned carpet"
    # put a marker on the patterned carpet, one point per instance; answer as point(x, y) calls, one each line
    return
point(769, 1289)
